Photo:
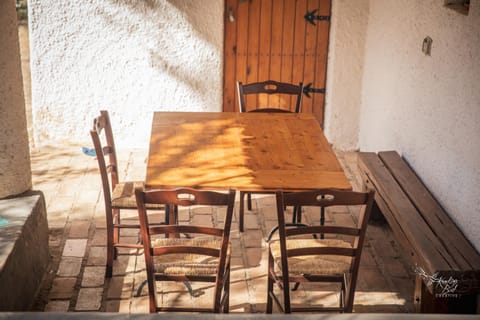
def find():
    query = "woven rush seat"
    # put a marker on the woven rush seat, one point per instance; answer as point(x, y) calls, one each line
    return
point(312, 265)
point(123, 196)
point(186, 264)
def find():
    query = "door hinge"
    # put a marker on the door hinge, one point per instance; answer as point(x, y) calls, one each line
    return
point(311, 17)
point(308, 89)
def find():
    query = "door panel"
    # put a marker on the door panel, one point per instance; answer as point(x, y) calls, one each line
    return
point(271, 39)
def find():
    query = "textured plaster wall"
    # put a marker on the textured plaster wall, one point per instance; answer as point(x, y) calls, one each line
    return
point(427, 107)
point(128, 56)
point(15, 171)
point(344, 72)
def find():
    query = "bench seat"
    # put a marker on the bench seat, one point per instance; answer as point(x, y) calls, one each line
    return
point(446, 265)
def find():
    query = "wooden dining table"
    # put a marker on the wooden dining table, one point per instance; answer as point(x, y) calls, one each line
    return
point(242, 151)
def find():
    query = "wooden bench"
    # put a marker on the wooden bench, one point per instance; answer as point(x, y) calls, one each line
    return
point(446, 265)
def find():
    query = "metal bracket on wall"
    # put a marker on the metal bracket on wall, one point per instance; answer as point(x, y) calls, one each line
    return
point(311, 17)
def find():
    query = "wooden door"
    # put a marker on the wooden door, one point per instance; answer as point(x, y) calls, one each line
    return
point(272, 39)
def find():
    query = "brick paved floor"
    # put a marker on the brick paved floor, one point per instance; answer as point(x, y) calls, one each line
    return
point(75, 281)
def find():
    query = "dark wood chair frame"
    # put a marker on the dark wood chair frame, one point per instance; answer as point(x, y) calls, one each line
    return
point(267, 87)
point(108, 167)
point(318, 198)
point(178, 198)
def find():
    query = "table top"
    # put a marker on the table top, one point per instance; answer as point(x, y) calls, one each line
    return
point(243, 151)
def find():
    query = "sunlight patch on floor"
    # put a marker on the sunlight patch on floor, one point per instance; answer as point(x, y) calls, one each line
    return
point(378, 298)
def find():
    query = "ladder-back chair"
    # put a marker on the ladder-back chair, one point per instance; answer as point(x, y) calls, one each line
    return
point(267, 88)
point(117, 195)
point(204, 256)
point(298, 255)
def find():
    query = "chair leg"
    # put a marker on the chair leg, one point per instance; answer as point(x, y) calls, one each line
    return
point(269, 284)
point(222, 292)
point(111, 251)
point(269, 297)
point(153, 307)
point(109, 267)
point(322, 216)
point(342, 295)
point(297, 214)
point(249, 201)
point(286, 294)
point(116, 231)
point(110, 257)
point(349, 294)
point(152, 295)
point(241, 211)
point(226, 305)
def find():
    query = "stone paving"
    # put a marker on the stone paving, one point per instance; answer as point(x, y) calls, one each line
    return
point(76, 282)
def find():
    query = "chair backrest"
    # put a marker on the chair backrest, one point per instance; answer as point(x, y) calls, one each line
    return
point(103, 142)
point(185, 197)
point(270, 87)
point(325, 198)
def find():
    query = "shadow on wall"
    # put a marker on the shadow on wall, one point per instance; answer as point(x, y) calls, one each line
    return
point(203, 18)
point(179, 39)
point(131, 57)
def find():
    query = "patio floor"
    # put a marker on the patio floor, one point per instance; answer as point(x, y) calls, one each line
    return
point(75, 281)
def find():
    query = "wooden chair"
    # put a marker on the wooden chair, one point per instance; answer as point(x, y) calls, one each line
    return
point(117, 195)
point(296, 257)
point(268, 87)
point(203, 257)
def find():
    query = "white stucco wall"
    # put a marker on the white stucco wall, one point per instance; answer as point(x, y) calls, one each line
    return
point(129, 57)
point(427, 107)
point(348, 30)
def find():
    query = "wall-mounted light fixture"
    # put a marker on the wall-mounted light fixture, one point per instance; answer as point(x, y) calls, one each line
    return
point(427, 46)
